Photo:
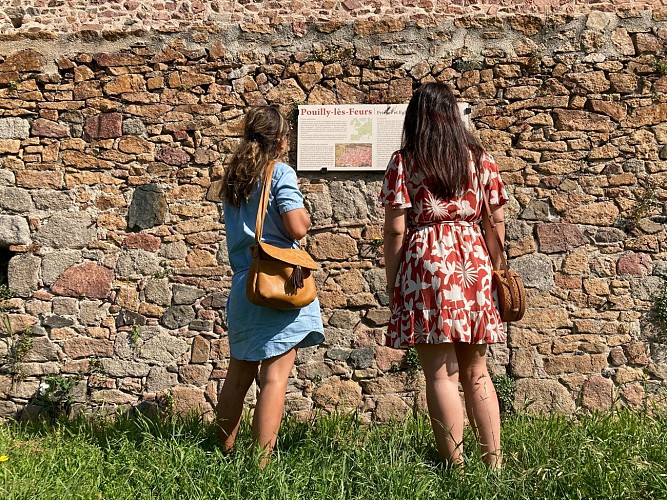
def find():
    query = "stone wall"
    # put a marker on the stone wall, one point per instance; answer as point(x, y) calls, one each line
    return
point(109, 146)
point(41, 18)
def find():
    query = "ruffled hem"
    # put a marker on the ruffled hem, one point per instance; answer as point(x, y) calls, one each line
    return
point(407, 327)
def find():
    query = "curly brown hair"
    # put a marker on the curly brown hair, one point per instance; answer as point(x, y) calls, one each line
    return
point(264, 129)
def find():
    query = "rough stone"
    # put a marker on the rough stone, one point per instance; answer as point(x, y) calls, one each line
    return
point(635, 264)
point(536, 271)
point(123, 368)
point(177, 316)
point(104, 126)
point(23, 60)
point(148, 207)
point(542, 396)
point(361, 358)
point(159, 379)
point(332, 247)
point(163, 349)
point(146, 242)
point(604, 213)
point(133, 126)
point(42, 350)
point(581, 120)
point(556, 237)
point(93, 312)
point(66, 230)
point(15, 200)
point(201, 350)
point(336, 394)
point(83, 347)
point(51, 200)
point(14, 128)
point(186, 295)
point(113, 397)
point(14, 230)
point(195, 374)
point(596, 393)
point(188, 400)
point(172, 156)
point(158, 292)
point(48, 128)
point(391, 407)
point(286, 92)
point(85, 280)
point(133, 263)
point(23, 274)
point(388, 358)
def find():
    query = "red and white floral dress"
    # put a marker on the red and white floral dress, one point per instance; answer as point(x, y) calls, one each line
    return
point(443, 291)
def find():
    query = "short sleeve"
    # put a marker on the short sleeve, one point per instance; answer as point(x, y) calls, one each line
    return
point(286, 191)
point(394, 189)
point(493, 184)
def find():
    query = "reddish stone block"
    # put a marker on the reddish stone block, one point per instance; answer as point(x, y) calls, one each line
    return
point(87, 280)
point(596, 393)
point(559, 237)
point(104, 126)
point(172, 156)
point(146, 242)
point(47, 128)
point(635, 264)
point(23, 60)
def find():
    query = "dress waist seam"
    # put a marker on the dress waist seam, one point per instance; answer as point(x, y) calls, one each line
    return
point(463, 223)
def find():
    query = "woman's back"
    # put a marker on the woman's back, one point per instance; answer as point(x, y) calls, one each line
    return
point(411, 189)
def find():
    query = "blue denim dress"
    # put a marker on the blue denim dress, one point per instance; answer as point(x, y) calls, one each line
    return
point(257, 332)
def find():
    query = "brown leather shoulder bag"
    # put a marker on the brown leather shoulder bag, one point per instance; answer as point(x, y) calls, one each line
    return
point(279, 278)
point(511, 292)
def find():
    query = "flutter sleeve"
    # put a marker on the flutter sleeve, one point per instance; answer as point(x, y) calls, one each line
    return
point(493, 184)
point(394, 189)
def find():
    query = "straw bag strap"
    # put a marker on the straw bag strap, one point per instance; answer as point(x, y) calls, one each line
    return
point(486, 213)
point(263, 201)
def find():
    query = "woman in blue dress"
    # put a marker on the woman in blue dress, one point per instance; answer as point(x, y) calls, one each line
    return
point(260, 337)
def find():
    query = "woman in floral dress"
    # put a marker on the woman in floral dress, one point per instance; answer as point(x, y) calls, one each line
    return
point(438, 266)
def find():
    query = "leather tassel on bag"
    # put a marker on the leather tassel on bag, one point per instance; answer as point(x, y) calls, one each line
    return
point(296, 280)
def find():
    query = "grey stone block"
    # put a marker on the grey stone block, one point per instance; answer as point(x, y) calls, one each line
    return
point(148, 207)
point(536, 271)
point(15, 200)
point(66, 230)
point(23, 274)
point(183, 294)
point(14, 128)
point(14, 230)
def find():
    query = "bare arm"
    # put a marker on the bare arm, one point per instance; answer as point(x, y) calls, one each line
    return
point(394, 236)
point(495, 251)
point(296, 222)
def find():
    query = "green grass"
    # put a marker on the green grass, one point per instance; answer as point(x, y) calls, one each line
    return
point(621, 455)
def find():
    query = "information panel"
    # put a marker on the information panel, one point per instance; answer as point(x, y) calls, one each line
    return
point(350, 137)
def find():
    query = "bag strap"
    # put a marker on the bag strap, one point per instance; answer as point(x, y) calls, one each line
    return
point(486, 213)
point(263, 201)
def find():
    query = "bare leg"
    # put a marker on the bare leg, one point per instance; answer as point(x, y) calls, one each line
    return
point(240, 376)
point(481, 400)
point(442, 397)
point(273, 376)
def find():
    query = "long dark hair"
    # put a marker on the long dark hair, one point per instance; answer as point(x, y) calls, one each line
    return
point(436, 142)
point(263, 130)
